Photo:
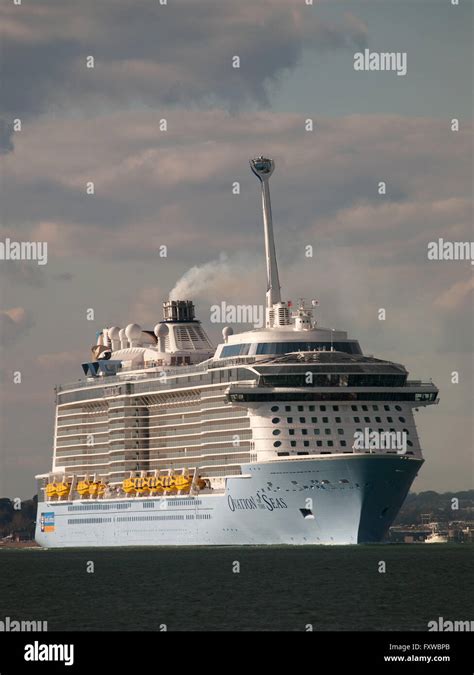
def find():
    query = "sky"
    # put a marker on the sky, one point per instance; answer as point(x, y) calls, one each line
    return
point(174, 187)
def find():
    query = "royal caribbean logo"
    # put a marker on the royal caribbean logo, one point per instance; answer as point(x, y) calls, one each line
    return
point(257, 502)
point(47, 522)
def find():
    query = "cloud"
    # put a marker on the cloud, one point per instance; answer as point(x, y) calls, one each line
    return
point(6, 135)
point(63, 276)
point(14, 324)
point(25, 273)
point(174, 186)
point(154, 53)
point(60, 359)
point(457, 296)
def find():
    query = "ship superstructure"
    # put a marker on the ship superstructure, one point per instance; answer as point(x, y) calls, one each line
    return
point(284, 434)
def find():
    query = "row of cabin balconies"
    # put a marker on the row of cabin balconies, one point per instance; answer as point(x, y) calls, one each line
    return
point(146, 432)
point(122, 425)
point(185, 449)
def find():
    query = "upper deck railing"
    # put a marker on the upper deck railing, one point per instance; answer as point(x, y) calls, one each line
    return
point(146, 374)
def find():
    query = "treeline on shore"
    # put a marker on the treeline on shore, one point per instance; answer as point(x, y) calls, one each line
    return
point(17, 518)
point(442, 508)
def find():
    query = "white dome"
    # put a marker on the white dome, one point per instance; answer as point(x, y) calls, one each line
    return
point(226, 331)
point(114, 333)
point(161, 330)
point(122, 333)
point(133, 331)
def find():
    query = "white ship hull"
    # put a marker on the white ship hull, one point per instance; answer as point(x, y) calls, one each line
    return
point(337, 500)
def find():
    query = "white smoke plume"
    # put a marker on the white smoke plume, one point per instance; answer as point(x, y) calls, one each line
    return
point(207, 278)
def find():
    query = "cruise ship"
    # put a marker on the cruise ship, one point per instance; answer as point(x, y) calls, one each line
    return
point(284, 434)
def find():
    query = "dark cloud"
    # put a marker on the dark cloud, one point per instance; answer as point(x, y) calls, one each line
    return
point(6, 134)
point(177, 53)
point(14, 324)
point(13, 273)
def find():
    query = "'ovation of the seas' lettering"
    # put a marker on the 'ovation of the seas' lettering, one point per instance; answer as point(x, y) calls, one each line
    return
point(249, 503)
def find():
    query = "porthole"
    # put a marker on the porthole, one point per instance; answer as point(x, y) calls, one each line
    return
point(276, 432)
point(274, 408)
point(402, 419)
point(398, 407)
point(277, 444)
point(275, 420)
point(410, 444)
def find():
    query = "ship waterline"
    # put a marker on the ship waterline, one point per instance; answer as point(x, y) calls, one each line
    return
point(170, 441)
point(333, 501)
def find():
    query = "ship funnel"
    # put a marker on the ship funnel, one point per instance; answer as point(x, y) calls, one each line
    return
point(178, 310)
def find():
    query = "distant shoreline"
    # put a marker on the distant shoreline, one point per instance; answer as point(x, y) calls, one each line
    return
point(18, 544)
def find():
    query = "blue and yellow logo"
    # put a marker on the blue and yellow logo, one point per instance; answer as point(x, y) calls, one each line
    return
point(47, 522)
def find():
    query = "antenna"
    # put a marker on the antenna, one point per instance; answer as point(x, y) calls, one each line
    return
point(263, 169)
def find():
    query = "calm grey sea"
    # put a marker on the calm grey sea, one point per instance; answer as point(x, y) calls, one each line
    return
point(277, 588)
